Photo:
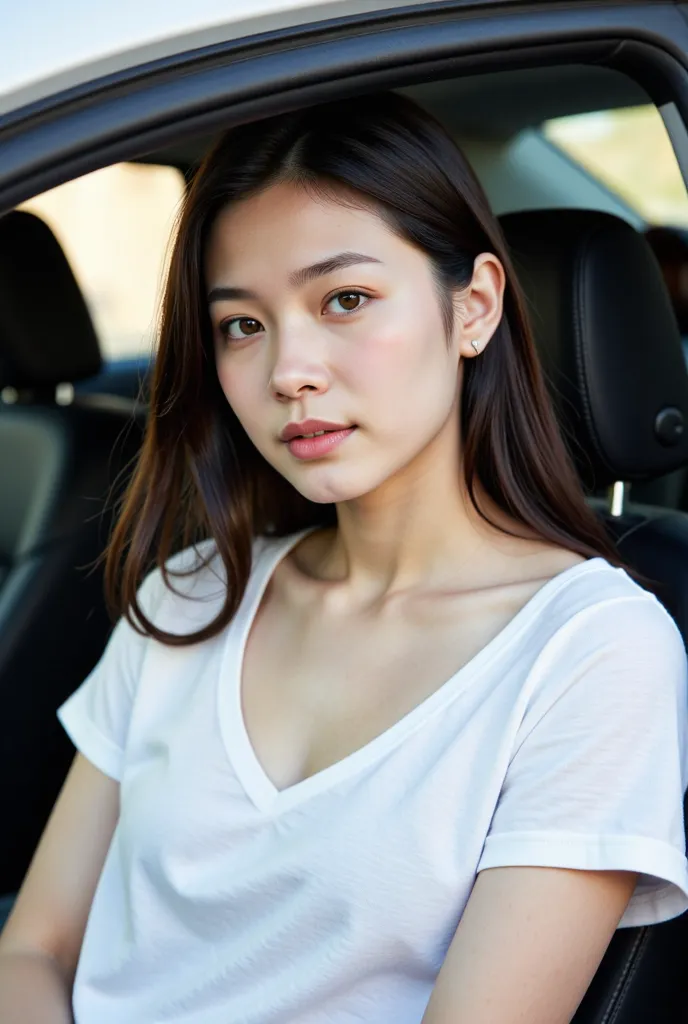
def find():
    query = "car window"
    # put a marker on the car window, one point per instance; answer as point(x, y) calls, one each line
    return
point(114, 226)
point(629, 151)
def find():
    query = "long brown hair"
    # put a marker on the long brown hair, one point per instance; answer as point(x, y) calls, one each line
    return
point(200, 476)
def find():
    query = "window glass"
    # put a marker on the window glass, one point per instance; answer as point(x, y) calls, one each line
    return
point(115, 226)
point(630, 151)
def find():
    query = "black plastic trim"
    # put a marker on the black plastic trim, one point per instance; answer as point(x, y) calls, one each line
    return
point(255, 45)
point(249, 46)
point(187, 98)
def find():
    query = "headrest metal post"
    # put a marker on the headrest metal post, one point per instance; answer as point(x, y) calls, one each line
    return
point(617, 492)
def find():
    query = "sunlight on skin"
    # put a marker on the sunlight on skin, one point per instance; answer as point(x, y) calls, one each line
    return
point(528, 944)
point(290, 351)
point(380, 366)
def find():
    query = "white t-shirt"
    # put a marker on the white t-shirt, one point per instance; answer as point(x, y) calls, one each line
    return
point(223, 899)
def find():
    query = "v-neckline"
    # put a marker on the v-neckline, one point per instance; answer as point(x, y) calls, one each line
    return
point(258, 786)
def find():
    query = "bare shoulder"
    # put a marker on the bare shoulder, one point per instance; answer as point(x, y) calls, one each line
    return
point(520, 561)
point(544, 561)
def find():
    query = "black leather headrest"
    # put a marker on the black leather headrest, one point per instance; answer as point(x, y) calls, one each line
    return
point(46, 332)
point(608, 341)
point(670, 246)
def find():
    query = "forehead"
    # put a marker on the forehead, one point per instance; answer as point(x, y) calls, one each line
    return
point(290, 224)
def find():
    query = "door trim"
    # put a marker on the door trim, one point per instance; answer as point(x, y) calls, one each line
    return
point(194, 94)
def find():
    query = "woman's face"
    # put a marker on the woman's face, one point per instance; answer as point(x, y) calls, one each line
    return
point(320, 311)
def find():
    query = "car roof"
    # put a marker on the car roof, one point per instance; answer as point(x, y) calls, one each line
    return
point(48, 47)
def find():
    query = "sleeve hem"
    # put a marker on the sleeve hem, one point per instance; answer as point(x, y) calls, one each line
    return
point(661, 895)
point(90, 742)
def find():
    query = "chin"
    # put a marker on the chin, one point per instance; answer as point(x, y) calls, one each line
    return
point(339, 488)
point(326, 495)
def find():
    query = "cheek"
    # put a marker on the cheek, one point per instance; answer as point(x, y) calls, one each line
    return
point(228, 384)
point(241, 390)
point(403, 367)
point(223, 377)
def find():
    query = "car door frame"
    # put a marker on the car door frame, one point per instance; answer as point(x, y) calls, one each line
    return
point(131, 114)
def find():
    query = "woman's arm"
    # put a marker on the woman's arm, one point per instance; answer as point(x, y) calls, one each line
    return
point(41, 941)
point(528, 945)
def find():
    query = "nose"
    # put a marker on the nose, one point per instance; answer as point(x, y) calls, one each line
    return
point(298, 365)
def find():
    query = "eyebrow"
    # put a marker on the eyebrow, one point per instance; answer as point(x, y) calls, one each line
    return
point(328, 266)
point(298, 277)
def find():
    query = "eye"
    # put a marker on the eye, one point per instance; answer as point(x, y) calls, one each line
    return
point(347, 301)
point(240, 327)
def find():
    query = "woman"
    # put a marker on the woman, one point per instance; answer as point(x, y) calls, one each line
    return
point(396, 736)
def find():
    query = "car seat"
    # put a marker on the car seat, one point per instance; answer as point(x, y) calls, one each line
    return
point(611, 350)
point(59, 465)
point(670, 247)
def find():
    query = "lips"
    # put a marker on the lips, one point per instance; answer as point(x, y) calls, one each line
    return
point(321, 446)
point(311, 426)
point(317, 433)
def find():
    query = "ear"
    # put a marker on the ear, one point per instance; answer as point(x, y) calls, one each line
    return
point(478, 308)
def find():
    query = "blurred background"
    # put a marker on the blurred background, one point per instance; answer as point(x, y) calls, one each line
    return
point(115, 226)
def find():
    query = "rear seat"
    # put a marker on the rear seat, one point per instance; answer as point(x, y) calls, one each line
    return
point(58, 464)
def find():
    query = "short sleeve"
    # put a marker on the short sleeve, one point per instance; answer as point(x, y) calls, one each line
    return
point(599, 768)
point(96, 716)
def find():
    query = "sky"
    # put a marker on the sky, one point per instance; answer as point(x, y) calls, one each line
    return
point(43, 38)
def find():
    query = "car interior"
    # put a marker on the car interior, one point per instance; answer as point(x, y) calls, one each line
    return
point(608, 316)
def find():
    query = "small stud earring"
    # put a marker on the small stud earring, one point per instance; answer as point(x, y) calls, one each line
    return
point(475, 345)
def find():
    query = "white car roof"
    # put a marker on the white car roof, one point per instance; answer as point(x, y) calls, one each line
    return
point(48, 46)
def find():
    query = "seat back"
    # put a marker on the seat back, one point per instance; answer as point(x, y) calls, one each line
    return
point(611, 351)
point(61, 470)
